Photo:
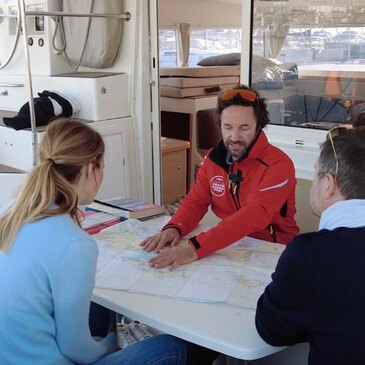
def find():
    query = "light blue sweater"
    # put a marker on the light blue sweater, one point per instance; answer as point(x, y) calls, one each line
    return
point(46, 281)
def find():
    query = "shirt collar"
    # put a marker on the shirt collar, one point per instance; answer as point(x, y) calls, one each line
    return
point(344, 213)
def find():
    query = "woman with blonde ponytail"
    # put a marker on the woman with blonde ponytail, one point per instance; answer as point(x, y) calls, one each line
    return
point(69, 153)
point(48, 263)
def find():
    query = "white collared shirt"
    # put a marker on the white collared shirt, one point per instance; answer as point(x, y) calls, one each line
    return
point(344, 213)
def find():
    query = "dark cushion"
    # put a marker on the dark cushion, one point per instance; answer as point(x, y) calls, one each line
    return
point(229, 59)
point(43, 110)
point(266, 74)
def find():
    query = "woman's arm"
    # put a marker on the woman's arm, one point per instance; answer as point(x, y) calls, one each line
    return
point(72, 289)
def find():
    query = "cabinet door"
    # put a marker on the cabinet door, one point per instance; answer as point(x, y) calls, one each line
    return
point(120, 173)
point(114, 183)
point(16, 149)
point(173, 176)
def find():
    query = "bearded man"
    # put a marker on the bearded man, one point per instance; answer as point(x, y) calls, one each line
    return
point(248, 183)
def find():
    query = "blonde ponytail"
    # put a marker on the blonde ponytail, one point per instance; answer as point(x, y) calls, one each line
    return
point(49, 189)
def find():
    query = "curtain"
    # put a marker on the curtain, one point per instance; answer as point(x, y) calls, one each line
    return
point(275, 37)
point(182, 44)
point(92, 42)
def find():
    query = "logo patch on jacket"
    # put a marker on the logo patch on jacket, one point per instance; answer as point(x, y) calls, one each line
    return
point(217, 186)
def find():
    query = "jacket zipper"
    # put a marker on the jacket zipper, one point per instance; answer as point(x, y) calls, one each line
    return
point(234, 181)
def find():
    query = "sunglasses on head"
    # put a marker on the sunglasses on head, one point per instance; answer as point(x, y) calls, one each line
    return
point(245, 94)
point(333, 133)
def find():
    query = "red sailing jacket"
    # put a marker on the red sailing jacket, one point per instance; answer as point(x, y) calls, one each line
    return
point(254, 196)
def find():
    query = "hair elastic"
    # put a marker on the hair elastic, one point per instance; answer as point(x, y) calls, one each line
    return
point(51, 160)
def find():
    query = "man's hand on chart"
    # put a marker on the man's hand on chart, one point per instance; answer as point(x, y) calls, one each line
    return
point(181, 254)
point(158, 241)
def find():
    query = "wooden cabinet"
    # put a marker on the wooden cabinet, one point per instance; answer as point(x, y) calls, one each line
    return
point(174, 173)
point(179, 120)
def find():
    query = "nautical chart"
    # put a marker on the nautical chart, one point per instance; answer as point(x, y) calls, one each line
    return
point(236, 275)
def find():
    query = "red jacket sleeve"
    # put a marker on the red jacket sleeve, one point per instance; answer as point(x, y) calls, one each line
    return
point(262, 204)
point(269, 183)
point(195, 205)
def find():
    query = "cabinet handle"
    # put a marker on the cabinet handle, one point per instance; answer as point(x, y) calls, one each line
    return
point(6, 84)
point(179, 167)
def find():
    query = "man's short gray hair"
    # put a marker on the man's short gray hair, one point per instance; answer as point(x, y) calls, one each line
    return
point(350, 150)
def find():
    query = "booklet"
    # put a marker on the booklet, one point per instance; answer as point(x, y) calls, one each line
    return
point(128, 208)
point(93, 222)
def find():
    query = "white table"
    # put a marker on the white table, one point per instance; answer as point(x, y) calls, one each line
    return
point(222, 327)
point(219, 326)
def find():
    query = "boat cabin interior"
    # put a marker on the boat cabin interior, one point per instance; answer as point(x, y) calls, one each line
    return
point(147, 76)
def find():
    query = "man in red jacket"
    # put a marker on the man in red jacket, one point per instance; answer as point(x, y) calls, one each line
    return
point(248, 183)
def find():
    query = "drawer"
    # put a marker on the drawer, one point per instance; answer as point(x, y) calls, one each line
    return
point(16, 147)
point(13, 92)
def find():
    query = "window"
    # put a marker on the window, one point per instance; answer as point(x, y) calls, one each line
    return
point(210, 42)
point(167, 51)
point(320, 45)
point(203, 43)
point(309, 61)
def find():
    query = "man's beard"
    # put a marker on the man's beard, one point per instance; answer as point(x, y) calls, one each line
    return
point(234, 152)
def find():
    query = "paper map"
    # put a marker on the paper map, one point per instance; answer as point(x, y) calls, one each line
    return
point(236, 275)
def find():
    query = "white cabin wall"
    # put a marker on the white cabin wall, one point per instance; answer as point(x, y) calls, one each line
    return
point(199, 13)
point(145, 105)
point(134, 60)
point(133, 128)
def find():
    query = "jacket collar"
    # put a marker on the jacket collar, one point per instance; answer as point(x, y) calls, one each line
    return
point(219, 152)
